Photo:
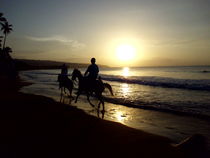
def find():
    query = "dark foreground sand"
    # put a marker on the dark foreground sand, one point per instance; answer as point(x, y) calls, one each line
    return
point(36, 126)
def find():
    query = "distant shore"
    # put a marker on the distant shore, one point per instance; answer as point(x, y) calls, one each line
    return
point(37, 126)
point(26, 64)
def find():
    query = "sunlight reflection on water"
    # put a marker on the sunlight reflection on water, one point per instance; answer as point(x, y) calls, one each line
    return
point(125, 72)
point(125, 89)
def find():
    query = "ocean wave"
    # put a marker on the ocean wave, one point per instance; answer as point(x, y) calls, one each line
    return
point(162, 107)
point(205, 71)
point(192, 84)
point(162, 82)
point(174, 104)
point(43, 73)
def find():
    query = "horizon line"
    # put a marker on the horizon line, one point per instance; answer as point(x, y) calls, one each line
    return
point(113, 66)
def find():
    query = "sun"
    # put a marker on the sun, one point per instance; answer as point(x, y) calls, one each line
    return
point(125, 52)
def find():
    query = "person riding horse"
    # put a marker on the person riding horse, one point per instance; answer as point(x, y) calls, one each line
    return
point(64, 81)
point(64, 72)
point(84, 86)
point(92, 72)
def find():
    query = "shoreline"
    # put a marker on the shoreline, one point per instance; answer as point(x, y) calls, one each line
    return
point(183, 106)
point(37, 126)
point(145, 107)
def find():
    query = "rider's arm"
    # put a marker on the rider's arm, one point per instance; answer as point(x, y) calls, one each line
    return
point(97, 69)
point(86, 71)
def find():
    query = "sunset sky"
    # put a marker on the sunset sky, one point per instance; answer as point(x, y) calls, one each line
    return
point(159, 32)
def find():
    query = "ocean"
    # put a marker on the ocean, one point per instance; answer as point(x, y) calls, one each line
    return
point(180, 95)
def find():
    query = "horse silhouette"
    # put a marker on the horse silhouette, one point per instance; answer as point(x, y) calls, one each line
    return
point(86, 86)
point(65, 82)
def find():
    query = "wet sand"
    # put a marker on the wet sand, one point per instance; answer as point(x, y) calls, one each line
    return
point(174, 126)
point(37, 126)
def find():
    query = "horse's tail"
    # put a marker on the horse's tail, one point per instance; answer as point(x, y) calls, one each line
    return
point(106, 85)
point(109, 87)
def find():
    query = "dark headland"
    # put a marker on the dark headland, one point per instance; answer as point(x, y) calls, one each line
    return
point(27, 64)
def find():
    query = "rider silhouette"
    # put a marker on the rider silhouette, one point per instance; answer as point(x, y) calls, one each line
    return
point(92, 71)
point(64, 70)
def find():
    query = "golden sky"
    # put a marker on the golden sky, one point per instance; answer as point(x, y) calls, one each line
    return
point(156, 32)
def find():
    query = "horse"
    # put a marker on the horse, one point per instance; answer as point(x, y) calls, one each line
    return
point(65, 82)
point(86, 86)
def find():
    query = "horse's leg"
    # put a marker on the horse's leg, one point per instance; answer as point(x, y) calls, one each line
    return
point(70, 92)
point(101, 101)
point(103, 105)
point(98, 96)
point(70, 97)
point(70, 88)
point(78, 94)
point(88, 98)
point(61, 95)
point(62, 91)
point(99, 105)
point(69, 101)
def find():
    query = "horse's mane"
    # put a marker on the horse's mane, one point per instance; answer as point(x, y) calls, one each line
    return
point(76, 71)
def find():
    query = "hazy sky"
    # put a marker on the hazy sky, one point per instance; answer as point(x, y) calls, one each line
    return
point(163, 32)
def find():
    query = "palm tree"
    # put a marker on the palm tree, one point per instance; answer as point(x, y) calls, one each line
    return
point(8, 50)
point(2, 19)
point(6, 28)
point(0, 41)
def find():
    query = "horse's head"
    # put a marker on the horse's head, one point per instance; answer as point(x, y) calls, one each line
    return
point(76, 74)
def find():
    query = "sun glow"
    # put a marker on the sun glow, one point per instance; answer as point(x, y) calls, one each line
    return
point(125, 52)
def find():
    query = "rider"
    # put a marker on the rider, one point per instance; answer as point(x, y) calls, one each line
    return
point(64, 71)
point(92, 71)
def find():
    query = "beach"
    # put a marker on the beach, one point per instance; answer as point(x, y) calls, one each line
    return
point(170, 112)
point(37, 126)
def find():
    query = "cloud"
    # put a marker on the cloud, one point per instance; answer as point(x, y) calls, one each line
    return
point(171, 42)
point(74, 44)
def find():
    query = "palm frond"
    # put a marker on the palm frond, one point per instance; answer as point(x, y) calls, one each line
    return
point(2, 18)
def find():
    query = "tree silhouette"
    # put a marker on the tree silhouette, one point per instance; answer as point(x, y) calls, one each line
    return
point(8, 50)
point(6, 28)
point(7, 64)
point(0, 41)
point(2, 19)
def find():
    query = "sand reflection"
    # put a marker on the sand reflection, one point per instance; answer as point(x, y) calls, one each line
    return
point(120, 116)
